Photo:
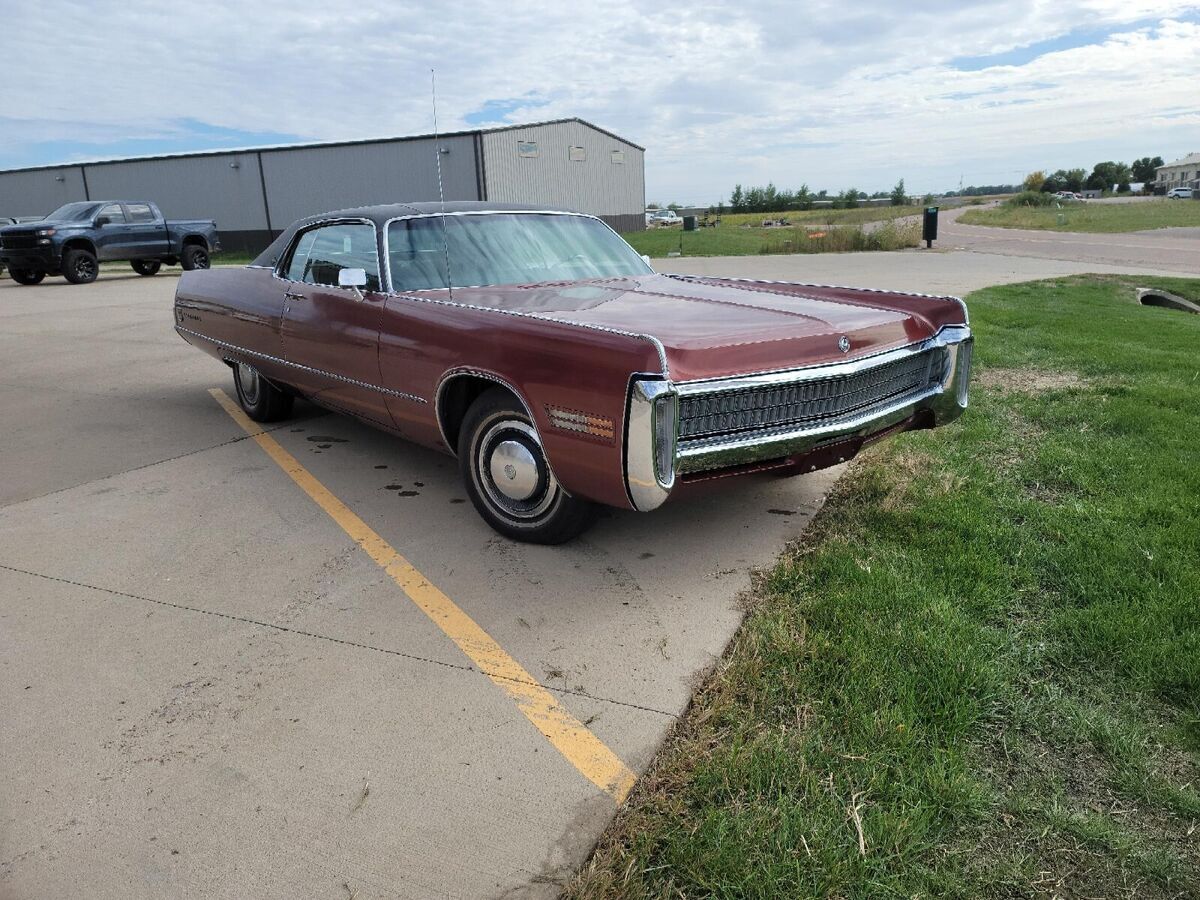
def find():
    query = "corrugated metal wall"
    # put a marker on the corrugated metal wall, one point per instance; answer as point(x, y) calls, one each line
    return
point(230, 187)
point(313, 180)
point(37, 193)
point(594, 185)
point(227, 188)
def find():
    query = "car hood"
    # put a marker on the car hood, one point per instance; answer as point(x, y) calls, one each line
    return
point(711, 327)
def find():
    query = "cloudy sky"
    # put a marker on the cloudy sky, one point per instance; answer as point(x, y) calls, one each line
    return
point(833, 94)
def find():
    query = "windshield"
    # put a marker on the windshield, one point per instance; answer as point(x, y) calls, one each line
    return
point(73, 212)
point(505, 248)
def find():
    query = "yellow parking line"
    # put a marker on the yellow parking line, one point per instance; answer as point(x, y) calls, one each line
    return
point(570, 737)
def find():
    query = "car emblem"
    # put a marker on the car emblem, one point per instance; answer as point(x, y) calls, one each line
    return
point(844, 344)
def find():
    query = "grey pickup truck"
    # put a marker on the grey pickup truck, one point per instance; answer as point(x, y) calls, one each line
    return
point(74, 239)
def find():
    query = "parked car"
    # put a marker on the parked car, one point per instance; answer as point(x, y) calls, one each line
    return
point(74, 239)
point(1068, 196)
point(665, 217)
point(1180, 193)
point(569, 374)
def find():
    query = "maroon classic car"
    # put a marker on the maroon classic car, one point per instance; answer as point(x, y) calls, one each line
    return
point(542, 351)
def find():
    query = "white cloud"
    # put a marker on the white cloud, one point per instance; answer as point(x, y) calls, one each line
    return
point(824, 92)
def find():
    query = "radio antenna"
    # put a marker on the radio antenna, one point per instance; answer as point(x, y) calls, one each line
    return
point(441, 192)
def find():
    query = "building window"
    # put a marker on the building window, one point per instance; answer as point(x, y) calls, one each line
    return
point(576, 154)
point(528, 149)
point(618, 157)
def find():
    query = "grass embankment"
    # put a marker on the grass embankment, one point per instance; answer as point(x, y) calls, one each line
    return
point(735, 240)
point(1091, 216)
point(978, 675)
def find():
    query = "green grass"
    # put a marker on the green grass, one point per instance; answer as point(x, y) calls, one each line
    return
point(1091, 217)
point(733, 240)
point(814, 217)
point(985, 651)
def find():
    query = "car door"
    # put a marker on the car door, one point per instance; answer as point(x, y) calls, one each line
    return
point(110, 238)
point(330, 333)
point(145, 235)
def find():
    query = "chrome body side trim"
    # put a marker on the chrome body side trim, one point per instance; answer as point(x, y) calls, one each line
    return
point(234, 348)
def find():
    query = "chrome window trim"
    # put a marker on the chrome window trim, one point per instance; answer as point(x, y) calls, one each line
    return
point(276, 269)
point(387, 250)
point(949, 298)
point(275, 359)
point(947, 334)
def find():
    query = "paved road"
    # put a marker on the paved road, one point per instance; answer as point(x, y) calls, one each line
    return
point(924, 271)
point(1170, 249)
point(201, 674)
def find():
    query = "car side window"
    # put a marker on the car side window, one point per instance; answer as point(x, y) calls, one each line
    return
point(330, 249)
point(113, 213)
point(139, 213)
point(299, 258)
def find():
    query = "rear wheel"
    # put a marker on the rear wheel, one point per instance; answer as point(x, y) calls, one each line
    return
point(146, 267)
point(80, 266)
point(508, 477)
point(194, 257)
point(27, 276)
point(262, 401)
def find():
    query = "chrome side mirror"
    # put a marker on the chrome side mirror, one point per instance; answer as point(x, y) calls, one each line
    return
point(353, 278)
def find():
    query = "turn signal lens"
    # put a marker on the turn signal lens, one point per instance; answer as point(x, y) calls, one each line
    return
point(664, 438)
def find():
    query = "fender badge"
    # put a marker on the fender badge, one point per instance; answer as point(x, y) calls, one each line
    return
point(844, 344)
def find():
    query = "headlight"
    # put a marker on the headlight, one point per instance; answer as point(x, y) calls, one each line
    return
point(45, 232)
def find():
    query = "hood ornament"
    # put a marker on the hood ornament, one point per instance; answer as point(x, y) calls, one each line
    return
point(844, 344)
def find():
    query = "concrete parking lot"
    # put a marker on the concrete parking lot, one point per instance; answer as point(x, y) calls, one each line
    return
point(210, 689)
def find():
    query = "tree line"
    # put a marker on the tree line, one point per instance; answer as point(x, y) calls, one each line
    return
point(772, 199)
point(1104, 177)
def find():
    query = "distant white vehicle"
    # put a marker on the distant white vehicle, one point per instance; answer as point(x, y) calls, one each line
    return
point(1180, 193)
point(1068, 196)
point(665, 217)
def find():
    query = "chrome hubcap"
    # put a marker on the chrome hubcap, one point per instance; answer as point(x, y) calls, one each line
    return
point(248, 382)
point(512, 471)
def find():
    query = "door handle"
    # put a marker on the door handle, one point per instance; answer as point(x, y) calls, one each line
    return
point(292, 295)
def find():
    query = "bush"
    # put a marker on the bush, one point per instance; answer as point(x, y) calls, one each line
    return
point(1030, 198)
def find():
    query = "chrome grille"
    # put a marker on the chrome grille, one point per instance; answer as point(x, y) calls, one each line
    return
point(810, 402)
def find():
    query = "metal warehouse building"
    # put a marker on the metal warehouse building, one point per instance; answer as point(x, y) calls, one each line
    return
point(256, 193)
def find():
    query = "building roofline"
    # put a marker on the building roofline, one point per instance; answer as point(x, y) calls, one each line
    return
point(313, 145)
point(1183, 161)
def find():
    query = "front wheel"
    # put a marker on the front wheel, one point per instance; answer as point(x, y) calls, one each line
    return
point(262, 401)
point(194, 257)
point(508, 477)
point(27, 276)
point(80, 266)
point(146, 267)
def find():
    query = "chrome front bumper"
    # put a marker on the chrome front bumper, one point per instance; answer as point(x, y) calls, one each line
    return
point(656, 458)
